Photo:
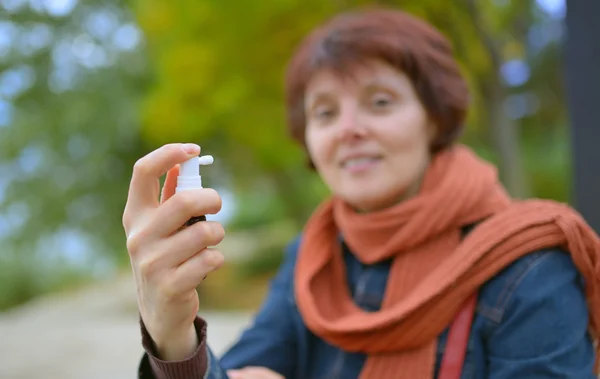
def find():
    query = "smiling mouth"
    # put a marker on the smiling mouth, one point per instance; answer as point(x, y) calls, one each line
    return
point(359, 163)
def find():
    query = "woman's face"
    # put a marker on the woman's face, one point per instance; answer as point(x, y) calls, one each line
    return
point(368, 136)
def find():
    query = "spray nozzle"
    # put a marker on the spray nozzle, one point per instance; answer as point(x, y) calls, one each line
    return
point(189, 173)
point(205, 160)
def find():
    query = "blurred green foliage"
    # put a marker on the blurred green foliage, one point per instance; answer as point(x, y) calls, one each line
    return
point(108, 81)
point(70, 85)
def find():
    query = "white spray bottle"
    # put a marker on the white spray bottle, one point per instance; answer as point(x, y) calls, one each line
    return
point(189, 179)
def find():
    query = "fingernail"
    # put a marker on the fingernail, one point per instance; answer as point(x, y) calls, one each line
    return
point(191, 148)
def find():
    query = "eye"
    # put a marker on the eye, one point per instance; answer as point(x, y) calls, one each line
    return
point(381, 100)
point(323, 112)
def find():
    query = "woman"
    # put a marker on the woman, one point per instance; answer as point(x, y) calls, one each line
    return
point(418, 237)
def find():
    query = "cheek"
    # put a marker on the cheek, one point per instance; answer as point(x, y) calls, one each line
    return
point(310, 143)
point(410, 131)
point(319, 146)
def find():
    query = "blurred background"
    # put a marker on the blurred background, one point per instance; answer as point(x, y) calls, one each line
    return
point(88, 87)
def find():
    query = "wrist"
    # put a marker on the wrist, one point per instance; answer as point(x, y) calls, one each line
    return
point(178, 346)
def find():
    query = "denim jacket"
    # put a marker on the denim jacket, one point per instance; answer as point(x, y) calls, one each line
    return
point(531, 322)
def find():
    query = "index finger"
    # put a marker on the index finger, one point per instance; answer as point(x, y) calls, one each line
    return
point(145, 186)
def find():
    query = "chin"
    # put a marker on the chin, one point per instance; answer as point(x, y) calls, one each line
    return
point(364, 203)
point(371, 201)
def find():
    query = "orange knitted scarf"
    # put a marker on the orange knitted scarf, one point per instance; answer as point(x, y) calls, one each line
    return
point(433, 272)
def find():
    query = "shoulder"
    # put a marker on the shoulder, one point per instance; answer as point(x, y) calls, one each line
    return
point(294, 245)
point(543, 276)
point(291, 250)
point(284, 276)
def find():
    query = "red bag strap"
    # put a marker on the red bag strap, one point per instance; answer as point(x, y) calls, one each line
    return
point(458, 338)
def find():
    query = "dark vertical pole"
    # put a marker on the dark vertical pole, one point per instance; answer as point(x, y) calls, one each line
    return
point(582, 62)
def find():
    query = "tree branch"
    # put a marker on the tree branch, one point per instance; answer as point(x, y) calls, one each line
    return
point(484, 35)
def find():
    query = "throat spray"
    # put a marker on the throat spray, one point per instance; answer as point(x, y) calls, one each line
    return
point(189, 179)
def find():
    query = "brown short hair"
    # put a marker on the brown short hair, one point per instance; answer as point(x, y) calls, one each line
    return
point(401, 40)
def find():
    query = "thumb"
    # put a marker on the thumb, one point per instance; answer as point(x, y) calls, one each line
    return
point(168, 189)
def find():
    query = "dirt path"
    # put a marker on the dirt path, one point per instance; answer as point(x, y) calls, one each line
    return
point(92, 334)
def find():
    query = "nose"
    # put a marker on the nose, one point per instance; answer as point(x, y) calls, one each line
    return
point(349, 124)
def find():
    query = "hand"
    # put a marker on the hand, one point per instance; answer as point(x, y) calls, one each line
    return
point(253, 373)
point(168, 263)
